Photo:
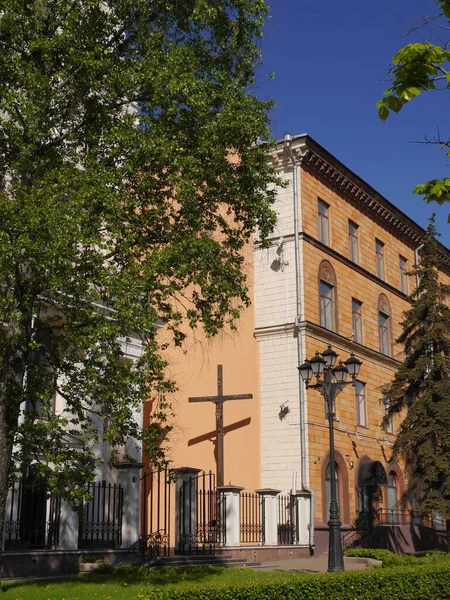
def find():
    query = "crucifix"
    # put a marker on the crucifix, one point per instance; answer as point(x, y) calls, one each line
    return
point(218, 401)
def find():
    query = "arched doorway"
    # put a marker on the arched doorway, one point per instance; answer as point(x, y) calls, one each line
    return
point(371, 476)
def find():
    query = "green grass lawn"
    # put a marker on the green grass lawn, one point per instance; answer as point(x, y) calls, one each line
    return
point(136, 583)
point(142, 583)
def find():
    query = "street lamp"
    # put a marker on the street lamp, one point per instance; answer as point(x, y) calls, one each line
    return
point(333, 382)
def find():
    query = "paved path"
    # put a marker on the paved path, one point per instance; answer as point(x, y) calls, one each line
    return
point(314, 564)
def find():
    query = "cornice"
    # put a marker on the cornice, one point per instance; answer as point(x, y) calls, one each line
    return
point(346, 261)
point(327, 168)
point(361, 351)
point(328, 337)
point(274, 330)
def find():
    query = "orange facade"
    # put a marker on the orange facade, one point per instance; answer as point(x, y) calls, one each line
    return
point(354, 250)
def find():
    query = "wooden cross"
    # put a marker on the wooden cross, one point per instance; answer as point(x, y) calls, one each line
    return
point(218, 401)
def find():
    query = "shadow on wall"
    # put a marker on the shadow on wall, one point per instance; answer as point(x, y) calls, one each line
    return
point(406, 539)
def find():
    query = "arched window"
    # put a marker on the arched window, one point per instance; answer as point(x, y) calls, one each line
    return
point(385, 325)
point(392, 497)
point(327, 296)
point(328, 487)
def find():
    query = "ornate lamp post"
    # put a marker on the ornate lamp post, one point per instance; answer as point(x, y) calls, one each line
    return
point(330, 380)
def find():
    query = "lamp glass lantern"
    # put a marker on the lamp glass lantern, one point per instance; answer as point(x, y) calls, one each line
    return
point(353, 365)
point(330, 356)
point(317, 365)
point(340, 373)
point(306, 371)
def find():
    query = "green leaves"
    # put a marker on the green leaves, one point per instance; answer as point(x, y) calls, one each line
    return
point(418, 68)
point(129, 187)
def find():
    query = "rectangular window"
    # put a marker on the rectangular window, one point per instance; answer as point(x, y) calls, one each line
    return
point(357, 321)
point(379, 251)
point(324, 236)
point(390, 424)
point(353, 241)
point(360, 404)
point(326, 304)
point(384, 324)
point(403, 275)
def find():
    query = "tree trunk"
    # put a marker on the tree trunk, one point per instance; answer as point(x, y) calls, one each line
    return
point(11, 393)
point(5, 465)
point(447, 522)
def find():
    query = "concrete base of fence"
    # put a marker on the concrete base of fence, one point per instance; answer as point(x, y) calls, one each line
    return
point(45, 563)
point(262, 553)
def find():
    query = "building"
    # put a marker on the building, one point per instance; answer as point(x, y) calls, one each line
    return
point(343, 284)
point(346, 287)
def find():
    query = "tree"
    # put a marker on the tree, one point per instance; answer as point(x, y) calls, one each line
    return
point(421, 386)
point(130, 182)
point(418, 68)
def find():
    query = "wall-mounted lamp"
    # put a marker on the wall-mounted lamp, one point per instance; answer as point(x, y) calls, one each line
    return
point(284, 410)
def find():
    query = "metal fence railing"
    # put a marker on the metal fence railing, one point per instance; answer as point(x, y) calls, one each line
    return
point(252, 511)
point(100, 523)
point(288, 520)
point(32, 515)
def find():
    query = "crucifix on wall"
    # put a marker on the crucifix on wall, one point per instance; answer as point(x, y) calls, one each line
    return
point(218, 401)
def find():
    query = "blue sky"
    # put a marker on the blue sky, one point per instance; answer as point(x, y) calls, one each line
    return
point(328, 58)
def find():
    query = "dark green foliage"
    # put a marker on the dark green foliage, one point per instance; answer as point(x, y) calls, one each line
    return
point(409, 583)
point(391, 559)
point(195, 583)
point(422, 387)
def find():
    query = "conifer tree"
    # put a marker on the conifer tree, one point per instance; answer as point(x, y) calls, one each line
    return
point(422, 387)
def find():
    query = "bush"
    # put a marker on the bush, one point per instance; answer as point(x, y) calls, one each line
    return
point(390, 559)
point(386, 556)
point(400, 583)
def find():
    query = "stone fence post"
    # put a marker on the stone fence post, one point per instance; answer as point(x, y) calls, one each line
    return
point(231, 496)
point(129, 479)
point(269, 517)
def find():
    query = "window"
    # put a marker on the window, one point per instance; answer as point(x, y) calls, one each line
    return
point(361, 404)
point(328, 487)
point(392, 498)
point(327, 296)
point(379, 252)
point(353, 241)
point(323, 222)
point(384, 325)
point(326, 304)
point(403, 275)
point(390, 423)
point(356, 321)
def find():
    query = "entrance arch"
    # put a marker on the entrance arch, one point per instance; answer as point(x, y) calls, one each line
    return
point(371, 476)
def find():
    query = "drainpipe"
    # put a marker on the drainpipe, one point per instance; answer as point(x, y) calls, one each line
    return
point(416, 258)
point(301, 389)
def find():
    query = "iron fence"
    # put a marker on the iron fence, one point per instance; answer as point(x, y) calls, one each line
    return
point(252, 511)
point(202, 518)
point(288, 520)
point(32, 515)
point(158, 494)
point(395, 516)
point(100, 523)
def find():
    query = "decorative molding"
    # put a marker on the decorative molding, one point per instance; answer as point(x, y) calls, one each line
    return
point(384, 305)
point(331, 337)
point(346, 261)
point(274, 330)
point(327, 168)
point(326, 273)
